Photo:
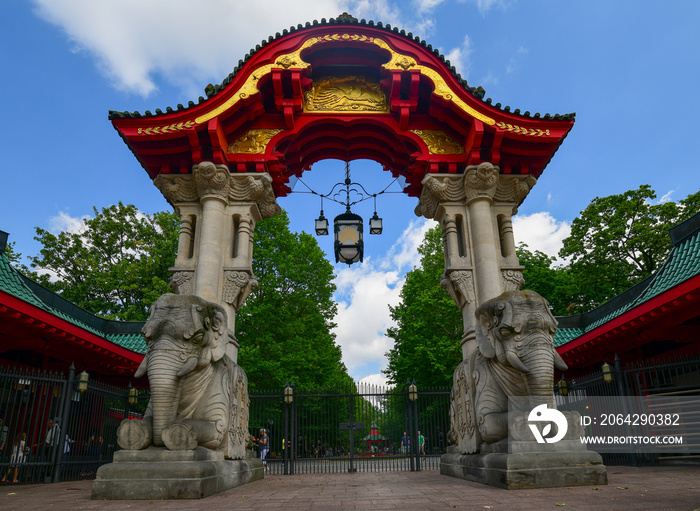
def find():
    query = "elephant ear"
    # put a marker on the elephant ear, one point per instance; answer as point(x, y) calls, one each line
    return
point(218, 333)
point(486, 322)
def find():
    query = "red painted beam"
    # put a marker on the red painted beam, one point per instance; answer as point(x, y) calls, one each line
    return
point(68, 330)
point(664, 302)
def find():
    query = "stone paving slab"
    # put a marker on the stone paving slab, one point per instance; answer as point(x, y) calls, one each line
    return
point(629, 489)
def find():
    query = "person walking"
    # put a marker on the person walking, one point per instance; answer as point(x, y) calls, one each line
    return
point(405, 443)
point(421, 443)
point(19, 449)
point(264, 443)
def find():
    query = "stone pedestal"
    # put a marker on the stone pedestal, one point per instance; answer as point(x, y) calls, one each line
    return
point(527, 469)
point(157, 473)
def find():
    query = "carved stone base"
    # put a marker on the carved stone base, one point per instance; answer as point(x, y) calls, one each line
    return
point(527, 470)
point(157, 473)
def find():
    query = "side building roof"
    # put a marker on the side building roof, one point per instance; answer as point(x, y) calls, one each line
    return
point(23, 300)
point(673, 286)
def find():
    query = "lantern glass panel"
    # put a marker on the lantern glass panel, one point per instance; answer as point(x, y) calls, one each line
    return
point(321, 226)
point(375, 225)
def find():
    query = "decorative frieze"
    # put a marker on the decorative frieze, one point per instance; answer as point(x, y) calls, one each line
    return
point(211, 180)
point(237, 286)
point(514, 188)
point(460, 286)
point(438, 190)
point(177, 189)
point(255, 187)
point(512, 280)
point(182, 282)
point(480, 181)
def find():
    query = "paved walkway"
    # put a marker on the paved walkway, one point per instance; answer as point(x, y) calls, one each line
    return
point(631, 489)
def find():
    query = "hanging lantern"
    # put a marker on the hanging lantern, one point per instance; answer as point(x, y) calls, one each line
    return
point(375, 224)
point(349, 245)
point(321, 225)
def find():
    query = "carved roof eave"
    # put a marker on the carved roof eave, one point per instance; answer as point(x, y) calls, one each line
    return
point(146, 135)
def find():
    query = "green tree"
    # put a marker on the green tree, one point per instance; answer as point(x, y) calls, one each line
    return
point(428, 323)
point(551, 280)
point(620, 240)
point(116, 266)
point(284, 327)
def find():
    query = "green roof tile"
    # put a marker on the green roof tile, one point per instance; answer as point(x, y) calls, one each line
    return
point(682, 264)
point(15, 284)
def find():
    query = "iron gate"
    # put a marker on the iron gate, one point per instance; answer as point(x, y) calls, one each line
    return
point(673, 377)
point(350, 430)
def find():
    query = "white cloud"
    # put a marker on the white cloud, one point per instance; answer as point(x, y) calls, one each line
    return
point(666, 197)
point(541, 231)
point(64, 222)
point(459, 57)
point(514, 61)
point(364, 294)
point(485, 6)
point(375, 379)
point(188, 43)
point(425, 6)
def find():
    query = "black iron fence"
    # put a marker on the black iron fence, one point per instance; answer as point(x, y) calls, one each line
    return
point(364, 428)
point(675, 377)
point(53, 431)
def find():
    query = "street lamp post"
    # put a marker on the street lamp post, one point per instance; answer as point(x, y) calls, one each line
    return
point(413, 398)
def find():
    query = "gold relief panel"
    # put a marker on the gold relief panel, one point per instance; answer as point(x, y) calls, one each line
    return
point(345, 94)
point(439, 142)
point(253, 141)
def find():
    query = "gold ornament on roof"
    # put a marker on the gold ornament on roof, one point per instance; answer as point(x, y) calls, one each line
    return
point(532, 132)
point(345, 94)
point(159, 130)
point(439, 142)
point(253, 141)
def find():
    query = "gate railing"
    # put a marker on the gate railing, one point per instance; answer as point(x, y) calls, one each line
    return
point(51, 432)
point(360, 428)
point(678, 376)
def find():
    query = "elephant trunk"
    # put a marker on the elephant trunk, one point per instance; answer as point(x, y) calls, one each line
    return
point(539, 359)
point(163, 367)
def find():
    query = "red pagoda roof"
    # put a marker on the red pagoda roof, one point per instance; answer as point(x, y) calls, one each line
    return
point(343, 89)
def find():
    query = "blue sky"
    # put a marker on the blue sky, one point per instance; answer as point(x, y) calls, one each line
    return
point(629, 69)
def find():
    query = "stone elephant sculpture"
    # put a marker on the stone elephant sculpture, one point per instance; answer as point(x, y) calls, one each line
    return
point(199, 396)
point(515, 356)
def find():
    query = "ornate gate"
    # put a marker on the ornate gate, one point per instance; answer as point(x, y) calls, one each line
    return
point(359, 429)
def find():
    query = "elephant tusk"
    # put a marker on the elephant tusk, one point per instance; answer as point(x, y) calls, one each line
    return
point(187, 367)
point(559, 362)
point(143, 367)
point(516, 362)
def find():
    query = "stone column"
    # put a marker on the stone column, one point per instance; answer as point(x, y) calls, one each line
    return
point(480, 187)
point(212, 187)
point(218, 212)
point(474, 212)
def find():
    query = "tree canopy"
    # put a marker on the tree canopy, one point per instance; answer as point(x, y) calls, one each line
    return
point(428, 323)
point(116, 266)
point(284, 327)
point(618, 241)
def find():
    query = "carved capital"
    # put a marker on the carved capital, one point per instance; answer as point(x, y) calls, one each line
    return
point(460, 285)
point(480, 181)
point(436, 190)
point(237, 286)
point(257, 188)
point(177, 189)
point(512, 280)
point(514, 188)
point(211, 180)
point(182, 282)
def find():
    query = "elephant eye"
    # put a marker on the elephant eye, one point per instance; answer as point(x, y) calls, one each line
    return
point(505, 332)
